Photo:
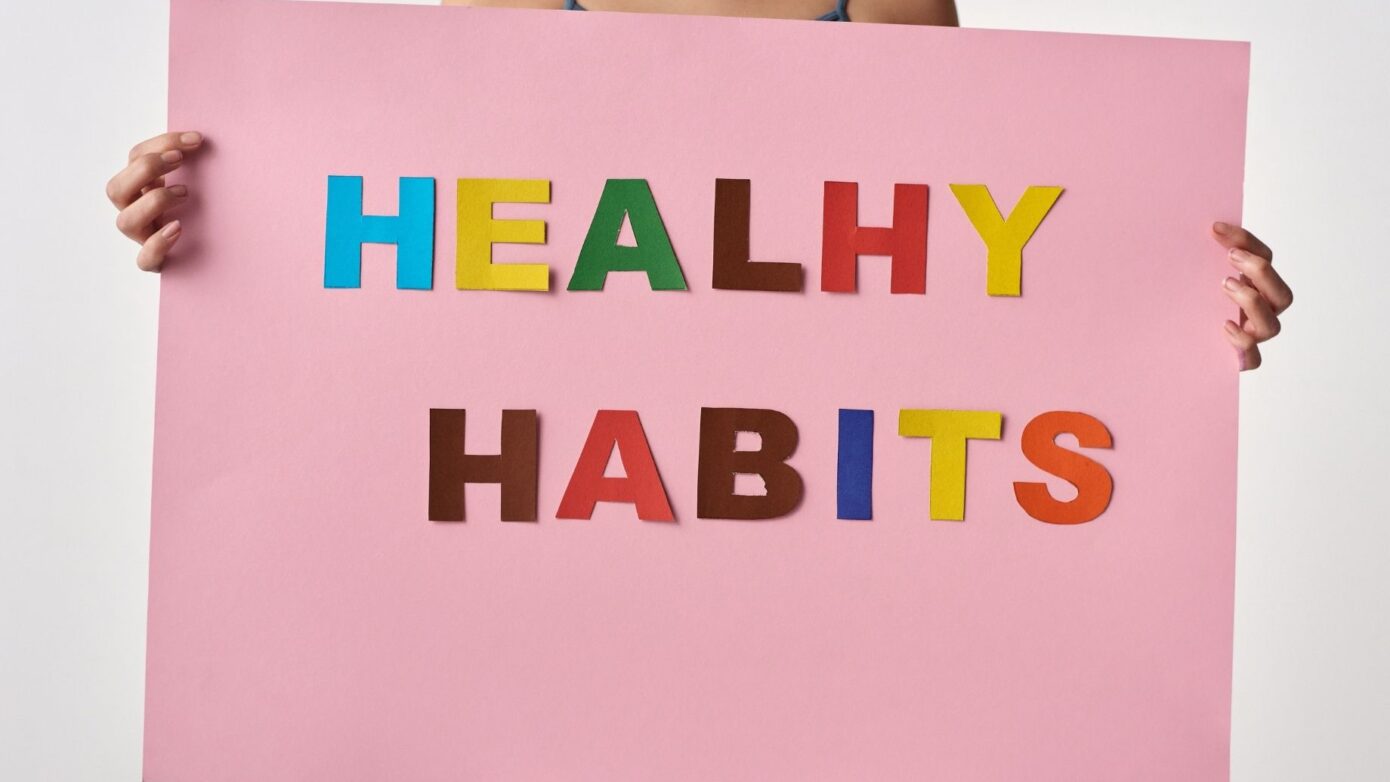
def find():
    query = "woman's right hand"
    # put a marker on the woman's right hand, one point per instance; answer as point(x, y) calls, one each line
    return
point(138, 191)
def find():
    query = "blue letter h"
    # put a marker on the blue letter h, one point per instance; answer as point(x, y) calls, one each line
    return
point(412, 232)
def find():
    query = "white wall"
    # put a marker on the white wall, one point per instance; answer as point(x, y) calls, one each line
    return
point(81, 81)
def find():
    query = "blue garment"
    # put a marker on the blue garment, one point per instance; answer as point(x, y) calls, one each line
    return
point(840, 14)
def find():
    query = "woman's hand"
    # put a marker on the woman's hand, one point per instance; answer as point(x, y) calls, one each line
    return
point(139, 193)
point(1257, 289)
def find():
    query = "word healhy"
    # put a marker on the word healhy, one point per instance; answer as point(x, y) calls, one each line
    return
point(515, 467)
point(843, 240)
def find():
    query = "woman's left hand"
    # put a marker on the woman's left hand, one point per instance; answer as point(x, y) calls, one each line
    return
point(1257, 289)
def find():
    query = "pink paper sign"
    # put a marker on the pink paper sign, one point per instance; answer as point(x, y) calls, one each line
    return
point(309, 621)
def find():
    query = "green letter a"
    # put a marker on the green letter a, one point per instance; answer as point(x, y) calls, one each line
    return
point(602, 254)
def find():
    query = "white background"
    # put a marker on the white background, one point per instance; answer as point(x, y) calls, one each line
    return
point(80, 82)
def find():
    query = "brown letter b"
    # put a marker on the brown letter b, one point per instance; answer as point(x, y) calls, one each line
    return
point(720, 462)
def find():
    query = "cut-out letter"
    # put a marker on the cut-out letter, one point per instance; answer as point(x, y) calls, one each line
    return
point(854, 492)
point(452, 467)
point(843, 240)
point(949, 431)
point(641, 486)
point(478, 231)
point(733, 268)
point(1093, 483)
point(347, 229)
point(720, 461)
point(602, 254)
point(1004, 239)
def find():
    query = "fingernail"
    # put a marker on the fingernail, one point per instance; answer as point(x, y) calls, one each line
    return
point(1232, 328)
point(191, 139)
point(178, 190)
point(171, 231)
point(1230, 284)
point(172, 156)
point(1240, 360)
point(1221, 228)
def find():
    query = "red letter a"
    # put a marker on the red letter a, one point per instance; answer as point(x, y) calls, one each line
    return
point(588, 486)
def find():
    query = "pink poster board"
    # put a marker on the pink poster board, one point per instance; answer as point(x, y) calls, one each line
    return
point(309, 621)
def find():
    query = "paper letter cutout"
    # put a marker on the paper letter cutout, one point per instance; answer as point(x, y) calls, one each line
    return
point(843, 240)
point(719, 462)
point(621, 429)
point(602, 254)
point(347, 229)
point(733, 269)
point(1004, 239)
point(478, 231)
point(854, 493)
point(1093, 483)
point(949, 430)
point(452, 468)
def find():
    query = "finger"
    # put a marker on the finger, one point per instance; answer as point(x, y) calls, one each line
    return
point(155, 248)
point(184, 141)
point(1234, 237)
point(125, 187)
point(1261, 274)
point(1260, 320)
point(1247, 351)
point(137, 221)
